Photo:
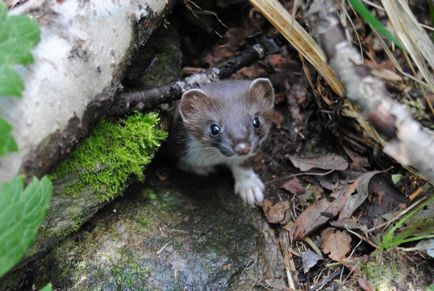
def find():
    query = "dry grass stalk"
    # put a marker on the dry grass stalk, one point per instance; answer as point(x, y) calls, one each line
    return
point(299, 38)
point(413, 37)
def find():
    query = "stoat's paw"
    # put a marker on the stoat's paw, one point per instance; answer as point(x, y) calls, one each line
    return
point(202, 171)
point(250, 188)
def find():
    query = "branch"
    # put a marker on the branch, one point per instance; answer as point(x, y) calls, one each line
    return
point(406, 140)
point(146, 99)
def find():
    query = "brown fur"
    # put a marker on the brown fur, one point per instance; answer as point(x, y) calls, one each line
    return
point(231, 105)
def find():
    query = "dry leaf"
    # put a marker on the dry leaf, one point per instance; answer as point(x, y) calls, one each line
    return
point(353, 202)
point(329, 182)
point(364, 284)
point(276, 213)
point(325, 162)
point(313, 217)
point(309, 259)
point(336, 243)
point(294, 186)
point(359, 162)
point(384, 198)
point(319, 213)
point(351, 223)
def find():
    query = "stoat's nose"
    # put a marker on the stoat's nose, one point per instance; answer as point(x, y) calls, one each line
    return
point(242, 149)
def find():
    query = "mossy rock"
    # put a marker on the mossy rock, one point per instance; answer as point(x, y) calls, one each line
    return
point(114, 152)
point(186, 233)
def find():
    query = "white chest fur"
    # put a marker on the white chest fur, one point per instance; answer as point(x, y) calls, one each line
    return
point(202, 159)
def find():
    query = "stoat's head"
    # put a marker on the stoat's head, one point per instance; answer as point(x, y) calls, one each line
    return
point(231, 116)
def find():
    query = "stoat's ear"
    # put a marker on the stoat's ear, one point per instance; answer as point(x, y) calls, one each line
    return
point(262, 90)
point(192, 102)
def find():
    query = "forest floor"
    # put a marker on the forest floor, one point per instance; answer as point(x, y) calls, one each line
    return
point(331, 194)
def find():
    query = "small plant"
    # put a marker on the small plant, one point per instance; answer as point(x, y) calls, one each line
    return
point(373, 22)
point(22, 209)
point(18, 35)
point(418, 230)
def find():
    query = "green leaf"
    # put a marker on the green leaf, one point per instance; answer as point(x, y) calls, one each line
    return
point(22, 210)
point(396, 178)
point(10, 82)
point(7, 142)
point(373, 22)
point(47, 287)
point(18, 35)
point(416, 231)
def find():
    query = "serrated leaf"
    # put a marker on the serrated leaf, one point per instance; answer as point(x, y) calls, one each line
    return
point(7, 142)
point(11, 83)
point(18, 35)
point(22, 210)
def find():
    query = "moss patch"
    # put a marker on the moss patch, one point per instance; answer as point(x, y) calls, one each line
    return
point(115, 151)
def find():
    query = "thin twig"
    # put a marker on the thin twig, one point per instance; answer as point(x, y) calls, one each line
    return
point(280, 179)
point(127, 102)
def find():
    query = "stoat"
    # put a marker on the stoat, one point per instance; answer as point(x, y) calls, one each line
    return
point(224, 123)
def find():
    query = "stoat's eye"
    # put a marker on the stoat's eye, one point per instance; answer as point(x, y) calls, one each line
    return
point(256, 123)
point(214, 129)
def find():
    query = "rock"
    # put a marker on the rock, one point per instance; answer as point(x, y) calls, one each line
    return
point(189, 233)
point(92, 176)
point(82, 57)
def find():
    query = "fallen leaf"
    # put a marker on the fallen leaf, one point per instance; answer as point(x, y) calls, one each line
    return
point(384, 197)
point(319, 213)
point(329, 182)
point(364, 284)
point(313, 217)
point(309, 259)
point(353, 202)
point(336, 243)
point(304, 198)
point(325, 162)
point(251, 72)
point(351, 223)
point(359, 162)
point(293, 186)
point(276, 213)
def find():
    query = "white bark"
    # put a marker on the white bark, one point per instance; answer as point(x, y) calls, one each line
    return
point(84, 49)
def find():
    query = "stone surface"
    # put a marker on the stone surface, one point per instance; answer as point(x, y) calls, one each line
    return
point(188, 233)
point(69, 211)
point(82, 56)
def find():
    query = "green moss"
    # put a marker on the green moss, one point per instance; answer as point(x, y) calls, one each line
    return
point(381, 277)
point(115, 151)
point(149, 194)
